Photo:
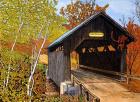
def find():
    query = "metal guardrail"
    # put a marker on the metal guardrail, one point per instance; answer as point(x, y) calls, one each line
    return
point(111, 72)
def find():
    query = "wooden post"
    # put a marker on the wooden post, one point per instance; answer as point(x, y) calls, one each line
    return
point(96, 100)
point(87, 96)
point(67, 67)
point(123, 62)
point(67, 62)
point(80, 89)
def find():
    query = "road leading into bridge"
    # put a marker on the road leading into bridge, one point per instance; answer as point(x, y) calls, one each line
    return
point(105, 88)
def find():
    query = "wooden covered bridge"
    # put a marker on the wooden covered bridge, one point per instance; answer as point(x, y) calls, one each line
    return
point(100, 42)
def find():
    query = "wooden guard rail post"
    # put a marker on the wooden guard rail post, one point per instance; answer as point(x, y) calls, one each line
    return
point(87, 91)
point(95, 98)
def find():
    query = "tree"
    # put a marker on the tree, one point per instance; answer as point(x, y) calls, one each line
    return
point(78, 11)
point(21, 22)
point(134, 47)
point(18, 79)
point(137, 3)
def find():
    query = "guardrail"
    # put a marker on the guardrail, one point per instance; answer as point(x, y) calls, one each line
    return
point(87, 91)
point(111, 72)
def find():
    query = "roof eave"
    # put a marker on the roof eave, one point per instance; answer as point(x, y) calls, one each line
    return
point(75, 28)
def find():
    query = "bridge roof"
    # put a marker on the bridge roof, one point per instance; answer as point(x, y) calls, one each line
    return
point(70, 32)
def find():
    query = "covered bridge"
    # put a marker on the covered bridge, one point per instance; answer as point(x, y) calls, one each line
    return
point(100, 42)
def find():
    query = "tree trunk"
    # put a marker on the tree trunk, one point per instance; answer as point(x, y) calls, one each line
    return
point(29, 91)
point(12, 49)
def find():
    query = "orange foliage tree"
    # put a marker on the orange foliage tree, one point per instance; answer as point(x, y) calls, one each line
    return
point(134, 47)
point(77, 12)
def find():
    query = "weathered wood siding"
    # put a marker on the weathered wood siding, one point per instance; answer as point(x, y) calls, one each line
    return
point(80, 39)
point(59, 54)
point(98, 25)
point(58, 70)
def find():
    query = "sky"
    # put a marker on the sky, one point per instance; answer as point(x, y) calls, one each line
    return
point(117, 8)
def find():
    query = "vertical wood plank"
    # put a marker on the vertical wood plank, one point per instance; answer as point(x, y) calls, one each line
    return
point(59, 67)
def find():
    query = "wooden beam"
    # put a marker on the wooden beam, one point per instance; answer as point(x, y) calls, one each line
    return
point(110, 72)
point(83, 87)
point(123, 62)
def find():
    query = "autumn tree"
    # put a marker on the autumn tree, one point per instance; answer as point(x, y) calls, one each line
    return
point(22, 21)
point(134, 47)
point(78, 11)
